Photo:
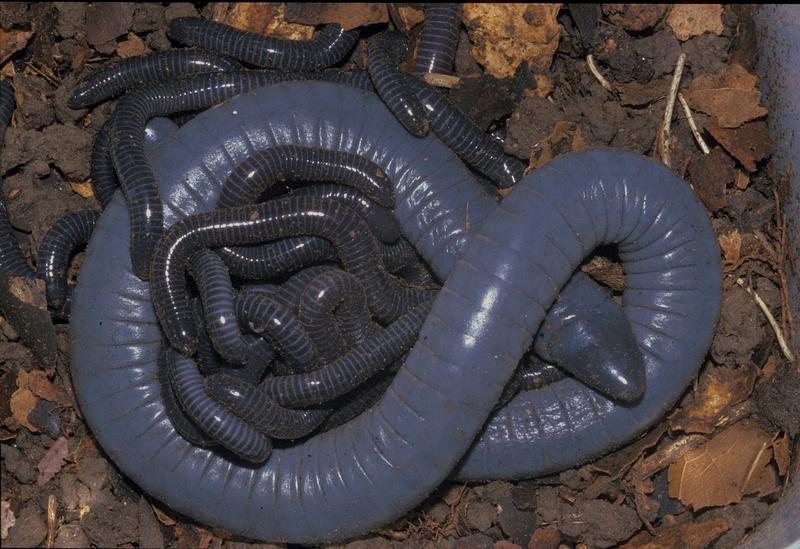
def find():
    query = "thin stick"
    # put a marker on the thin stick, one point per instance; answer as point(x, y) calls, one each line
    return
point(51, 521)
point(692, 125)
point(600, 78)
point(771, 319)
point(673, 92)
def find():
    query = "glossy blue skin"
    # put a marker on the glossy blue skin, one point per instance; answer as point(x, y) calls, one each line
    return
point(516, 256)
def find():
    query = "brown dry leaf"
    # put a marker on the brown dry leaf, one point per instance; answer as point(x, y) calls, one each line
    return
point(85, 189)
point(718, 390)
point(687, 20)
point(40, 386)
point(638, 95)
point(132, 46)
point(780, 451)
point(731, 465)
point(749, 143)
point(506, 35)
point(263, 18)
point(7, 519)
point(729, 95)
point(52, 462)
point(731, 244)
point(22, 403)
point(635, 17)
point(405, 16)
point(681, 535)
point(11, 41)
point(565, 137)
point(163, 517)
point(349, 16)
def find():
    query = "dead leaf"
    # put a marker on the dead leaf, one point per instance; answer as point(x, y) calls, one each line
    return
point(638, 95)
point(264, 18)
point(729, 95)
point(37, 382)
point(780, 451)
point(11, 41)
point(687, 20)
point(7, 519)
point(52, 462)
point(504, 36)
point(565, 137)
point(731, 465)
point(22, 403)
point(349, 16)
point(84, 189)
point(731, 245)
point(681, 535)
point(634, 17)
point(132, 46)
point(749, 143)
point(709, 174)
point(163, 517)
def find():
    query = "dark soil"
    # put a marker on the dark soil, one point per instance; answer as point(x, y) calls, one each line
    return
point(45, 165)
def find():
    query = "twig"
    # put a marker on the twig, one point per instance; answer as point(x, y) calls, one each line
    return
point(771, 319)
point(600, 78)
point(692, 125)
point(51, 521)
point(442, 80)
point(673, 92)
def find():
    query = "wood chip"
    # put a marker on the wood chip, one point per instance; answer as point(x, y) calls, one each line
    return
point(687, 20)
point(85, 189)
point(741, 180)
point(52, 461)
point(749, 143)
point(349, 16)
point(132, 46)
point(718, 390)
point(7, 519)
point(781, 454)
point(731, 465)
point(729, 95)
point(731, 245)
point(506, 35)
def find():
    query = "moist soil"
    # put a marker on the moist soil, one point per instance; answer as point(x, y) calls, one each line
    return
point(60, 490)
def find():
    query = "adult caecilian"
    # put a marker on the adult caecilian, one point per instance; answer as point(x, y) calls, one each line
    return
point(376, 467)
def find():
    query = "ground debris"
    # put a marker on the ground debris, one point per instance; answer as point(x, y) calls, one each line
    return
point(635, 17)
point(734, 463)
point(719, 389)
point(105, 22)
point(349, 16)
point(680, 535)
point(730, 96)
point(263, 18)
point(599, 523)
point(749, 143)
point(687, 20)
point(506, 35)
point(52, 462)
point(710, 174)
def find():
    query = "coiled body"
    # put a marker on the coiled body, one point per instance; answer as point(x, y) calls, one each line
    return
point(376, 467)
point(162, 65)
point(328, 46)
